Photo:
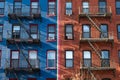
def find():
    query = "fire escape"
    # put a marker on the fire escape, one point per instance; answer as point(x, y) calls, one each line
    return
point(14, 37)
point(93, 14)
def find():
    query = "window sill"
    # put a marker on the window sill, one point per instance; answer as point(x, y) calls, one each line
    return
point(51, 15)
point(51, 40)
point(51, 68)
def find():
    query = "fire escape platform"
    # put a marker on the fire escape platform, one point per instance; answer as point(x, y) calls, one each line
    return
point(98, 68)
point(96, 40)
point(30, 41)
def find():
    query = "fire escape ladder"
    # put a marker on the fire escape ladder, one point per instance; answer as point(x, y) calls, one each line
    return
point(23, 55)
point(94, 48)
point(22, 25)
point(92, 75)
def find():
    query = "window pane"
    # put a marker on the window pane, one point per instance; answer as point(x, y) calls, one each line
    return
point(85, 5)
point(34, 5)
point(18, 4)
point(33, 55)
point(16, 28)
point(33, 29)
point(15, 54)
point(86, 28)
point(69, 54)
point(103, 28)
point(1, 28)
point(105, 54)
point(86, 54)
point(69, 28)
point(69, 63)
point(2, 4)
point(68, 5)
point(51, 54)
point(118, 28)
point(51, 29)
point(117, 4)
point(51, 62)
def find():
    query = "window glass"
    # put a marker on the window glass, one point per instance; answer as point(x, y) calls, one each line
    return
point(33, 55)
point(15, 54)
point(69, 58)
point(105, 54)
point(87, 54)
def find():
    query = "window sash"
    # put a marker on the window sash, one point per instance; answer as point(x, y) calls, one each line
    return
point(69, 54)
point(105, 54)
point(32, 54)
point(15, 55)
point(86, 55)
point(69, 62)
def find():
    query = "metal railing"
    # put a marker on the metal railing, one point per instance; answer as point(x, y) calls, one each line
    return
point(98, 63)
point(96, 35)
point(24, 10)
point(22, 35)
point(22, 64)
point(95, 10)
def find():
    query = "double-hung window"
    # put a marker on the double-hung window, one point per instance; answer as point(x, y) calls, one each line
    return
point(1, 31)
point(14, 59)
point(86, 31)
point(17, 7)
point(118, 31)
point(105, 58)
point(51, 59)
point(85, 7)
point(34, 31)
point(16, 31)
point(102, 6)
point(51, 32)
point(104, 31)
point(33, 58)
point(2, 6)
point(69, 58)
point(69, 31)
point(51, 7)
point(86, 58)
point(118, 7)
point(68, 8)
point(34, 6)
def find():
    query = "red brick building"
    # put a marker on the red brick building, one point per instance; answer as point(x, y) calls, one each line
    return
point(89, 40)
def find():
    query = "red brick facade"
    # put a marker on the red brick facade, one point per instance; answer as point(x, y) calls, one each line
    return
point(78, 46)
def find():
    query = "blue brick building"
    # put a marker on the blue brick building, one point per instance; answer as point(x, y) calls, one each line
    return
point(28, 39)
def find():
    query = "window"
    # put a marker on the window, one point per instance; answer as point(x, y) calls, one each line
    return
point(119, 56)
point(51, 59)
point(86, 31)
point(105, 58)
point(14, 61)
point(33, 58)
point(68, 8)
point(31, 79)
point(34, 31)
point(51, 7)
point(1, 32)
point(17, 7)
point(118, 31)
point(0, 56)
point(86, 58)
point(117, 6)
point(51, 79)
point(104, 29)
point(85, 7)
point(102, 6)
point(68, 31)
point(16, 31)
point(34, 6)
point(13, 79)
point(2, 5)
point(69, 59)
point(51, 32)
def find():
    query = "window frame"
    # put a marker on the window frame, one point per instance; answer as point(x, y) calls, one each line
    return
point(2, 8)
point(70, 25)
point(33, 25)
point(118, 25)
point(34, 8)
point(20, 1)
point(52, 8)
point(102, 59)
point(55, 64)
point(99, 7)
point(87, 58)
point(106, 25)
point(53, 25)
point(1, 32)
point(13, 59)
point(69, 9)
point(86, 32)
point(14, 32)
point(88, 9)
point(116, 7)
point(69, 59)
